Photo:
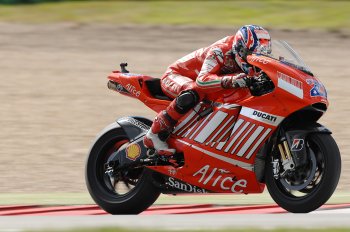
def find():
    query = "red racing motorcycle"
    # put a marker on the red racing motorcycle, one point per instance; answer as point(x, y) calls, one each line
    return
point(234, 141)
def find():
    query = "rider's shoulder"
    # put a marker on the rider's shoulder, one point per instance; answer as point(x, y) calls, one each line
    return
point(223, 44)
point(226, 40)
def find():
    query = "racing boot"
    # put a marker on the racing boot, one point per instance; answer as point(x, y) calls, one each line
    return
point(160, 130)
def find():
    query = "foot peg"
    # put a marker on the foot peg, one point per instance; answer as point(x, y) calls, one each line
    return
point(151, 152)
point(175, 160)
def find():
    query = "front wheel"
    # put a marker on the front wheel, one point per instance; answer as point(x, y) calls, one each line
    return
point(308, 187)
point(125, 192)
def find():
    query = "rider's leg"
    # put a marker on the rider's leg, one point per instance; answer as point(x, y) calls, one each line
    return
point(183, 88)
point(165, 121)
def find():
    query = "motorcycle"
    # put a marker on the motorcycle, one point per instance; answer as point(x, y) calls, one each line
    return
point(236, 141)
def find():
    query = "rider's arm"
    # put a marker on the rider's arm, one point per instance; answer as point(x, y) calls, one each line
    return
point(238, 80)
point(207, 78)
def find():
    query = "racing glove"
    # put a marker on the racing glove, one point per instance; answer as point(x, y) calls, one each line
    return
point(235, 81)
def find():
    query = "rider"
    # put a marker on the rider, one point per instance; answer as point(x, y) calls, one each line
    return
point(222, 65)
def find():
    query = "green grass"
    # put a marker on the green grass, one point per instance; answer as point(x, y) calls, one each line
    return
point(84, 198)
point(272, 14)
point(220, 230)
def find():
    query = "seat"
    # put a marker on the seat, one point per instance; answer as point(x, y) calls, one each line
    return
point(154, 88)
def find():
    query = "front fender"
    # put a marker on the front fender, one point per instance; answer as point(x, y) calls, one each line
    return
point(296, 140)
point(134, 126)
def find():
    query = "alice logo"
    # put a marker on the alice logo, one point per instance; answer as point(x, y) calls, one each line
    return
point(221, 178)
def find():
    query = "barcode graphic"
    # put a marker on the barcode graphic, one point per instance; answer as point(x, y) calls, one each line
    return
point(218, 130)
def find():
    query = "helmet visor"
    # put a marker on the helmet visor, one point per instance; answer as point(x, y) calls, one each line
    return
point(264, 42)
point(264, 47)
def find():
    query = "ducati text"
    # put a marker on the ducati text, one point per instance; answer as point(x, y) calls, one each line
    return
point(265, 116)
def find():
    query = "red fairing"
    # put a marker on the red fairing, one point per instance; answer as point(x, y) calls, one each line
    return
point(220, 147)
point(134, 86)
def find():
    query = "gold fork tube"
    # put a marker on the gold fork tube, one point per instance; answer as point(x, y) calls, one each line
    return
point(282, 152)
point(289, 156)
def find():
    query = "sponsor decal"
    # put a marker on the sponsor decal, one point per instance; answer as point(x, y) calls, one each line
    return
point(318, 90)
point(172, 171)
point(133, 151)
point(132, 89)
point(172, 182)
point(119, 88)
point(219, 178)
point(265, 116)
point(297, 145)
point(258, 59)
point(290, 85)
point(261, 116)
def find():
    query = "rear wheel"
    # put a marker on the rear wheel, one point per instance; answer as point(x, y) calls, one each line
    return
point(308, 187)
point(125, 192)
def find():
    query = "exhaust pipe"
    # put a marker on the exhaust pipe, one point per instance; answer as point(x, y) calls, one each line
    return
point(114, 86)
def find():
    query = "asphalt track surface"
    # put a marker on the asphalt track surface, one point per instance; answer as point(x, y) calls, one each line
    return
point(179, 217)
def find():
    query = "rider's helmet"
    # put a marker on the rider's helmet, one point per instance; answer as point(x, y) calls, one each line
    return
point(250, 39)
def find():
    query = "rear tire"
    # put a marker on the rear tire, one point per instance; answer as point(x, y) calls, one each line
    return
point(328, 160)
point(139, 198)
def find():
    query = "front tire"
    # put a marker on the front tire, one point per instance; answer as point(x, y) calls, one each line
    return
point(140, 193)
point(324, 152)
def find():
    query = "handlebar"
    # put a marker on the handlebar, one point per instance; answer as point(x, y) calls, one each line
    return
point(260, 85)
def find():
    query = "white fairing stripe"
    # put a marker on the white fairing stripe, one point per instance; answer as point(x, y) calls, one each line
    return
point(217, 133)
point(243, 137)
point(290, 88)
point(271, 119)
point(241, 164)
point(189, 130)
point(250, 141)
point(236, 126)
point(237, 135)
point(200, 126)
point(229, 106)
point(223, 135)
point(188, 118)
point(211, 126)
point(258, 143)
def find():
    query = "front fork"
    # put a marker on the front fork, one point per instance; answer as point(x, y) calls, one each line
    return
point(292, 148)
point(286, 160)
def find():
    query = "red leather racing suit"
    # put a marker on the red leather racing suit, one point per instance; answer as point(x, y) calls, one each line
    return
point(201, 70)
point(188, 80)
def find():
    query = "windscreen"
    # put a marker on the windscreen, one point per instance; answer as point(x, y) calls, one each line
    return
point(283, 52)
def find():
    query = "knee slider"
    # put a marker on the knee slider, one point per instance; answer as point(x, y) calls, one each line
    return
point(186, 101)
